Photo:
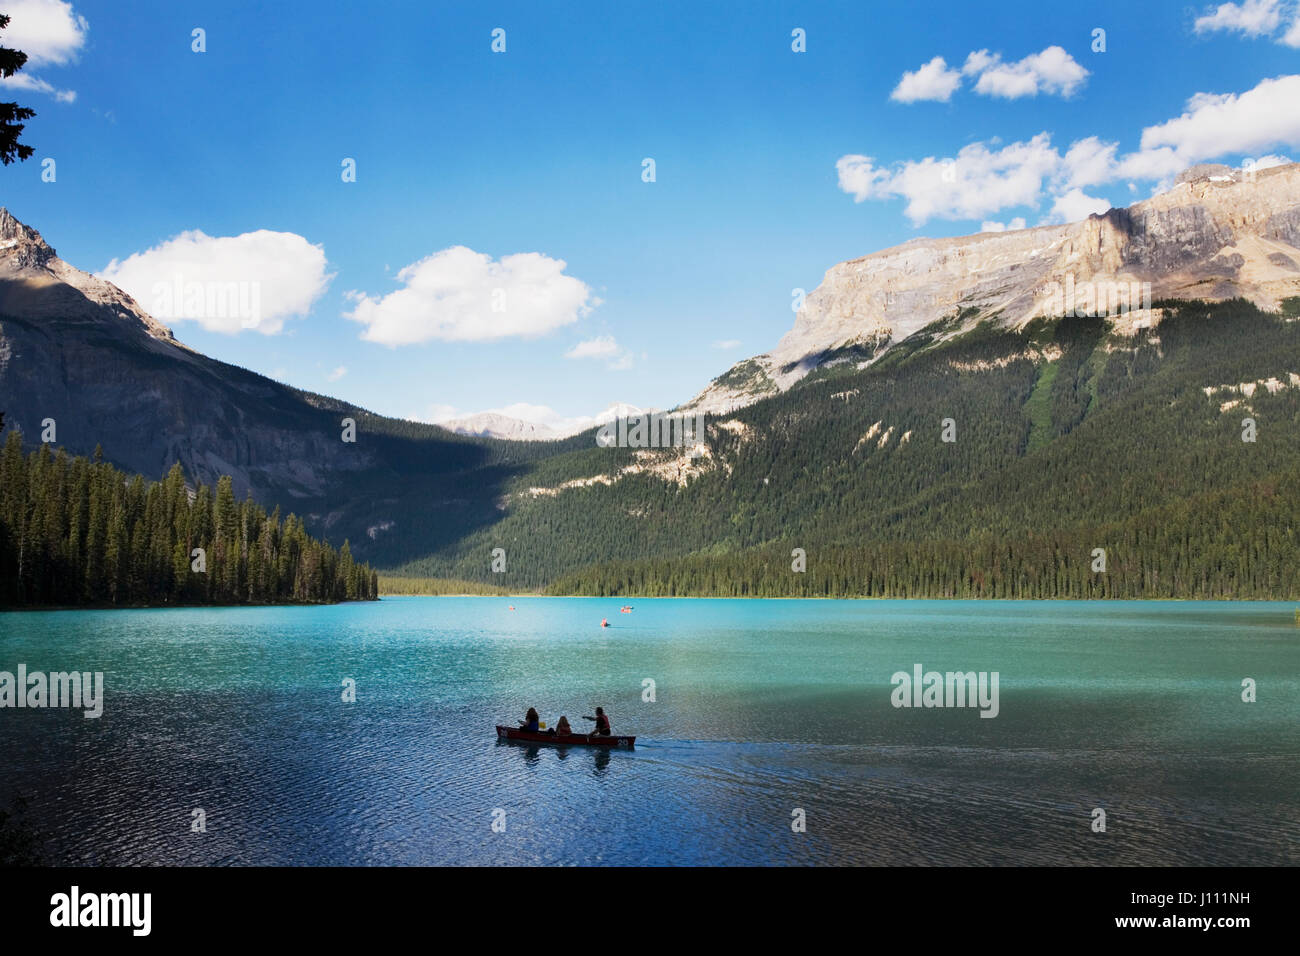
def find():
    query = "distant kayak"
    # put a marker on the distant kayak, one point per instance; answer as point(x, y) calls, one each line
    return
point(582, 740)
point(604, 622)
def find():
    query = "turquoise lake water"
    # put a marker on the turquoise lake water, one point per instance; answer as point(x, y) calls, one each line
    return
point(761, 708)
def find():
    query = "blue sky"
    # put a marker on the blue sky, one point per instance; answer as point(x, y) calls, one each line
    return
point(770, 166)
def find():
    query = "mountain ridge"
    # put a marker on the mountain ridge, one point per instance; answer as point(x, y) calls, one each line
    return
point(80, 353)
point(1218, 234)
point(850, 451)
point(509, 428)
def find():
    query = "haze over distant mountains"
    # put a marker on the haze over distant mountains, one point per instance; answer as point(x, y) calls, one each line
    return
point(507, 427)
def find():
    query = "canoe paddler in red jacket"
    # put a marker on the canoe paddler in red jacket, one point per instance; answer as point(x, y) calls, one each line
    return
point(602, 723)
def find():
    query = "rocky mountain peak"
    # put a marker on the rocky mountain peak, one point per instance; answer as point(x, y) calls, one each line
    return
point(36, 283)
point(494, 425)
point(22, 244)
point(1210, 171)
point(1218, 234)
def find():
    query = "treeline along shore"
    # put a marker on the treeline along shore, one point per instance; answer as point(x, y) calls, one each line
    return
point(76, 532)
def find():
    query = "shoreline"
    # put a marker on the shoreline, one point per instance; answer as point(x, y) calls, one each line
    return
point(732, 597)
point(178, 607)
point(675, 597)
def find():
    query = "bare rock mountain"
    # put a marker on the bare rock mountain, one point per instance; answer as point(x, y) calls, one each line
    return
point(508, 428)
point(78, 351)
point(1218, 234)
point(494, 425)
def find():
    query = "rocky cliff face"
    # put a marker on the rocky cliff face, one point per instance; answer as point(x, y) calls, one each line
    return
point(1218, 234)
point(37, 284)
point(78, 350)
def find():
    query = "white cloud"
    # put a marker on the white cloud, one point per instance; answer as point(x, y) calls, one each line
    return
point(978, 61)
point(1217, 124)
point(1051, 71)
point(1014, 224)
point(34, 84)
point(933, 81)
point(1088, 162)
point(436, 414)
point(1075, 205)
point(51, 33)
point(861, 179)
point(978, 182)
point(1252, 17)
point(48, 31)
point(727, 344)
point(256, 280)
point(1268, 162)
point(459, 295)
point(986, 178)
point(338, 373)
point(1161, 164)
point(1292, 36)
point(603, 346)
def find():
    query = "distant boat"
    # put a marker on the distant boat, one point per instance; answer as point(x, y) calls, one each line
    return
point(627, 609)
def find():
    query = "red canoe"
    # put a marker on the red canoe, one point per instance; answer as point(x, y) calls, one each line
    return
point(586, 740)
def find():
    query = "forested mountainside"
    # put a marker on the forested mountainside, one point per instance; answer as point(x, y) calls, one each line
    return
point(1070, 435)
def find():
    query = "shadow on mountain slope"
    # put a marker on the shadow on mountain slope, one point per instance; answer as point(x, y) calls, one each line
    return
point(92, 375)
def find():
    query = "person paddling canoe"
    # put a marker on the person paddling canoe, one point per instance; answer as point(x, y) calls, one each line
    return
point(602, 722)
point(531, 721)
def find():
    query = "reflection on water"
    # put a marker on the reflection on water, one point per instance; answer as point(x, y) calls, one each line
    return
point(535, 755)
point(762, 707)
